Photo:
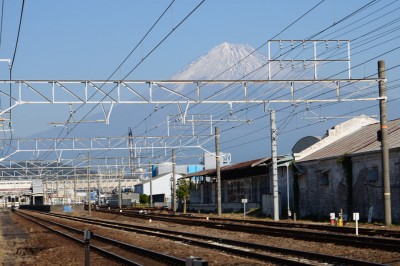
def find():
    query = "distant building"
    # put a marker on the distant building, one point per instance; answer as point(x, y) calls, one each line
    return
point(344, 171)
point(249, 180)
point(161, 187)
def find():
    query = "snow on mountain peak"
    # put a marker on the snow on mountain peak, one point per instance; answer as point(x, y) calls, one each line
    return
point(226, 61)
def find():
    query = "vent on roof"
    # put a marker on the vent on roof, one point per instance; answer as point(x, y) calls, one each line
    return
point(304, 143)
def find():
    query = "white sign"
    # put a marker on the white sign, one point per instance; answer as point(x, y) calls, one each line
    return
point(332, 215)
point(244, 200)
point(356, 216)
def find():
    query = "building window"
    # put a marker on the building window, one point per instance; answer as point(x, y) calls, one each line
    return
point(397, 173)
point(324, 178)
point(239, 189)
point(373, 173)
point(207, 191)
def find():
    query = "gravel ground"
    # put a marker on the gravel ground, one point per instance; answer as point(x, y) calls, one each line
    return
point(22, 243)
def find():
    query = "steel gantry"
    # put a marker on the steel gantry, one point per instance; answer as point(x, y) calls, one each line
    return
point(63, 167)
point(150, 143)
point(110, 92)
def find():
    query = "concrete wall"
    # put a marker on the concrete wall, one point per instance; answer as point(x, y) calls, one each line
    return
point(261, 190)
point(317, 199)
point(160, 185)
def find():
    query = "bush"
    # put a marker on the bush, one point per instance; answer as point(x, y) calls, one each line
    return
point(143, 199)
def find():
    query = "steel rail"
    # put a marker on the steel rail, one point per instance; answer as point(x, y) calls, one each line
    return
point(357, 241)
point(219, 243)
point(267, 223)
point(170, 260)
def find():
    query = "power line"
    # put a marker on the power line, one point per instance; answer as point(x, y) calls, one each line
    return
point(18, 34)
point(1, 21)
point(137, 65)
point(335, 24)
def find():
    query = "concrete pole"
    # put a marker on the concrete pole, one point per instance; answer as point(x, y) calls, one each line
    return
point(384, 141)
point(46, 199)
point(288, 191)
point(119, 191)
point(218, 170)
point(58, 194)
point(88, 182)
point(131, 153)
point(274, 166)
point(151, 184)
point(75, 197)
point(173, 193)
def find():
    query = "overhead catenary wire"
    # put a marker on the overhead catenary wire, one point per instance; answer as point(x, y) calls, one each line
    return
point(12, 65)
point(291, 24)
point(1, 22)
point(357, 11)
point(138, 64)
point(300, 111)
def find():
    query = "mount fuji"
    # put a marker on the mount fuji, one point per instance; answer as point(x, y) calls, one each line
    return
point(226, 62)
point(242, 57)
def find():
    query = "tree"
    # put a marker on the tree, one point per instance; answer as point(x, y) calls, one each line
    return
point(143, 198)
point(183, 191)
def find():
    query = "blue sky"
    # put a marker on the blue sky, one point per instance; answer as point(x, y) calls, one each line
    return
point(88, 39)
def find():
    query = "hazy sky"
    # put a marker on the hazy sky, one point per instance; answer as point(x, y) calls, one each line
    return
point(73, 40)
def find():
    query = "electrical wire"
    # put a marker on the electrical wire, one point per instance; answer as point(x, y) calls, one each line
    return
point(345, 18)
point(1, 21)
point(137, 65)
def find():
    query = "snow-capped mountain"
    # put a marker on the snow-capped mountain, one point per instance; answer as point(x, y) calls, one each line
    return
point(226, 62)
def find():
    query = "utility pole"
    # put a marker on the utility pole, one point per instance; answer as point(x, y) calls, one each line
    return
point(151, 183)
point(173, 194)
point(46, 200)
point(88, 181)
point(218, 169)
point(131, 153)
point(58, 193)
point(384, 141)
point(119, 191)
point(75, 185)
point(274, 166)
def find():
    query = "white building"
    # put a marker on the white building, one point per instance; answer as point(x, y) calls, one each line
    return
point(160, 187)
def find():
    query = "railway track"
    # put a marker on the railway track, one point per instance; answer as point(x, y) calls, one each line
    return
point(267, 223)
point(382, 243)
point(101, 244)
point(239, 248)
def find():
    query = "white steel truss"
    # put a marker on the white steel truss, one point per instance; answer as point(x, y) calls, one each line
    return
point(64, 167)
point(102, 144)
point(108, 93)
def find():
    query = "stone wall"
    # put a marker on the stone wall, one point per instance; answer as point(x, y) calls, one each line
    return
point(324, 187)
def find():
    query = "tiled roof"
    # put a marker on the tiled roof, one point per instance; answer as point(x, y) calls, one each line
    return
point(361, 141)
